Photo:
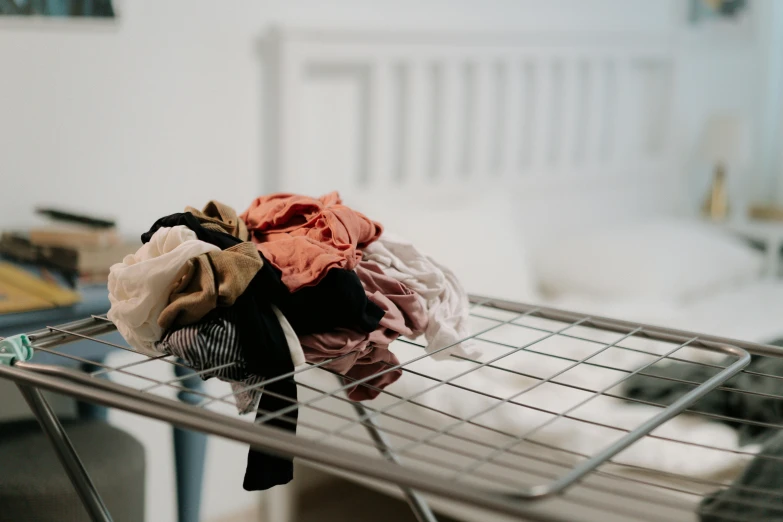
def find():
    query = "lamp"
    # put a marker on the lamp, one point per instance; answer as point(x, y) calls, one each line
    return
point(724, 144)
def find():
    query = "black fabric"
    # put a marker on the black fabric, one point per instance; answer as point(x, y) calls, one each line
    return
point(337, 301)
point(742, 500)
point(258, 325)
point(756, 495)
point(264, 348)
point(745, 406)
point(263, 469)
point(213, 237)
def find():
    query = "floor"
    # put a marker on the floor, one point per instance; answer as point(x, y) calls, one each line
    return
point(338, 500)
point(329, 504)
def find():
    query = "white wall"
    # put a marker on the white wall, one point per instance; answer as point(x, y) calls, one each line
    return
point(731, 75)
point(163, 110)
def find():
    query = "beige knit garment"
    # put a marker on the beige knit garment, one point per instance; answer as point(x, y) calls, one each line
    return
point(208, 281)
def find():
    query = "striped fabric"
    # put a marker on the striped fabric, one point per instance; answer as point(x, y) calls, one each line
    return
point(212, 348)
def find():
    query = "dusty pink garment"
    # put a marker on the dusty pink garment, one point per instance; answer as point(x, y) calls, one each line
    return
point(364, 354)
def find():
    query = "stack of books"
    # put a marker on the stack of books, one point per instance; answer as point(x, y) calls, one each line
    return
point(25, 290)
point(81, 247)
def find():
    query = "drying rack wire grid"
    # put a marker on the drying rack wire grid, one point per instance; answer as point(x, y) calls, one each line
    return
point(437, 429)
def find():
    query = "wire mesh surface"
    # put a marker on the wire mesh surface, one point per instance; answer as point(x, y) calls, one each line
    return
point(538, 401)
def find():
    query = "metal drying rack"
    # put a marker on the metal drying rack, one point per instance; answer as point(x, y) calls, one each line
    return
point(510, 473)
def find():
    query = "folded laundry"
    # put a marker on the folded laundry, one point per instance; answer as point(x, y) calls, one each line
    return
point(305, 237)
point(446, 302)
point(139, 286)
point(358, 355)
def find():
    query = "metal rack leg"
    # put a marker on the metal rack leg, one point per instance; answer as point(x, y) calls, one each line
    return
point(417, 504)
point(66, 453)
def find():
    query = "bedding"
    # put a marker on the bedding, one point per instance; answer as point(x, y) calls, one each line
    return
point(751, 312)
point(658, 259)
point(473, 233)
point(548, 399)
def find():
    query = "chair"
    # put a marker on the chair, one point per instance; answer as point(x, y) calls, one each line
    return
point(34, 487)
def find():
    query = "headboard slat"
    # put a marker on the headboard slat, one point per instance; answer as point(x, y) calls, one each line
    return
point(364, 113)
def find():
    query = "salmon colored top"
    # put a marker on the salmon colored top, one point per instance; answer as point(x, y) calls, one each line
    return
point(304, 237)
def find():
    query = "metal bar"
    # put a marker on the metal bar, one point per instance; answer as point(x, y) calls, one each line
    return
point(669, 413)
point(617, 325)
point(585, 339)
point(480, 425)
point(527, 389)
point(586, 421)
point(66, 453)
point(58, 336)
point(106, 370)
point(642, 401)
point(560, 415)
point(263, 437)
point(103, 329)
point(389, 369)
point(102, 385)
point(418, 505)
point(462, 374)
point(624, 370)
point(620, 346)
point(272, 379)
point(539, 458)
point(188, 374)
point(490, 501)
point(529, 493)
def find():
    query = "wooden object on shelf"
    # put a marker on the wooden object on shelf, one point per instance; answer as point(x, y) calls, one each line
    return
point(76, 236)
point(716, 205)
point(765, 212)
point(78, 260)
point(21, 291)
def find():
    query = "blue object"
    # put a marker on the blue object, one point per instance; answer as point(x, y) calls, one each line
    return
point(190, 471)
point(16, 348)
point(189, 446)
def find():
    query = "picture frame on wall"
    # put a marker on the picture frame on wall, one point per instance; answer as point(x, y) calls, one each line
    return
point(58, 9)
point(720, 21)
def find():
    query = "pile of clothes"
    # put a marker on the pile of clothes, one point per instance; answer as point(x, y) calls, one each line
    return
point(751, 403)
point(292, 280)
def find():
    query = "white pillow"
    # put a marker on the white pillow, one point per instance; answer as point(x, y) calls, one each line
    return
point(472, 234)
point(662, 259)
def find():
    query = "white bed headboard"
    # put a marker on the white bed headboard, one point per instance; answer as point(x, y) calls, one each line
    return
point(367, 112)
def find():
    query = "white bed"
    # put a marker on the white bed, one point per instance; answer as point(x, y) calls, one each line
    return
point(484, 150)
point(545, 135)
